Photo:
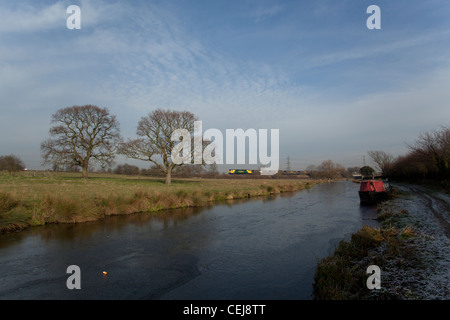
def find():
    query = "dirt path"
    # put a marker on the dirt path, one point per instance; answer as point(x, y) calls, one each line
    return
point(429, 215)
point(436, 203)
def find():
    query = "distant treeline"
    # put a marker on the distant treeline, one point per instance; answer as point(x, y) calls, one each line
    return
point(183, 171)
point(428, 158)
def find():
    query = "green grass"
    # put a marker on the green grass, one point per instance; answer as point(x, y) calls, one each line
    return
point(38, 198)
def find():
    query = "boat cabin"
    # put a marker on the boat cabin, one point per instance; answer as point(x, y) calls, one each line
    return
point(372, 185)
point(374, 190)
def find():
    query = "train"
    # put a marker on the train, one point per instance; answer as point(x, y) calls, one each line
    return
point(280, 172)
point(242, 171)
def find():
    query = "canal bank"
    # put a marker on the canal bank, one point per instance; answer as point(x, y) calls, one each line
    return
point(411, 248)
point(33, 199)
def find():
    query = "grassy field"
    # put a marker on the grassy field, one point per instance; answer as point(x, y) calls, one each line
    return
point(38, 198)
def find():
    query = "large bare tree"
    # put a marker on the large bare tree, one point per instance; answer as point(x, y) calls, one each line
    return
point(81, 135)
point(155, 143)
point(382, 159)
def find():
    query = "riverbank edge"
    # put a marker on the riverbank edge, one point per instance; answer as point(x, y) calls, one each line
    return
point(17, 215)
point(396, 247)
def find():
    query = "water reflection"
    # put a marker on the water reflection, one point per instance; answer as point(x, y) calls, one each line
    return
point(369, 214)
point(166, 218)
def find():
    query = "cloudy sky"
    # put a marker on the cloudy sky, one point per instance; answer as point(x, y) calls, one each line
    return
point(312, 69)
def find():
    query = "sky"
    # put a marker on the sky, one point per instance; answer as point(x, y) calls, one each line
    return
point(312, 69)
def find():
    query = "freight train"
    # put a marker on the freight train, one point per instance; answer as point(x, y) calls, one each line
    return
point(242, 171)
point(283, 172)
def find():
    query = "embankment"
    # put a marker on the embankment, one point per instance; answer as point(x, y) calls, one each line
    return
point(411, 247)
point(27, 200)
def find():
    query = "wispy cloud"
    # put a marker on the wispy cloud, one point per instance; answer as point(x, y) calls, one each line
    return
point(145, 61)
point(154, 62)
point(390, 46)
point(261, 12)
point(27, 18)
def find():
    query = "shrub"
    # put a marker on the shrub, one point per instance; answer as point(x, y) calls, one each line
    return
point(11, 164)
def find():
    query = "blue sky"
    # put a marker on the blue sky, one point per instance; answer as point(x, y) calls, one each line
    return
point(312, 69)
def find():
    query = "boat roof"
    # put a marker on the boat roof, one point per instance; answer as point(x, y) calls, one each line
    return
point(372, 185)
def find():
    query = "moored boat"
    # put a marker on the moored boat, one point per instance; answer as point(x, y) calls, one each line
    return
point(357, 177)
point(371, 191)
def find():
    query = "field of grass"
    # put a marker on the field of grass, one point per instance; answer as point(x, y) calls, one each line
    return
point(38, 198)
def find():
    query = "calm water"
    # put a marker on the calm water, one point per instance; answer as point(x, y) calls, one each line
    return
point(254, 249)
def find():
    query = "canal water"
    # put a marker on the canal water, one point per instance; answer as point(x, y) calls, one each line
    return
point(264, 248)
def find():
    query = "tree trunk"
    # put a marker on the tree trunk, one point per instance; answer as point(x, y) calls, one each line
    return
point(169, 176)
point(85, 175)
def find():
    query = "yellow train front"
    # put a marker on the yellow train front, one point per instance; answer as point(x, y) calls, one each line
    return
point(241, 171)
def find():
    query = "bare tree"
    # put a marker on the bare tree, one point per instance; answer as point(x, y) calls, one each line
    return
point(155, 143)
point(435, 146)
point(330, 170)
point(82, 134)
point(11, 163)
point(383, 160)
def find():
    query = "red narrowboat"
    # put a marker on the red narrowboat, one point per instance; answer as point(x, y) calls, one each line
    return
point(374, 190)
